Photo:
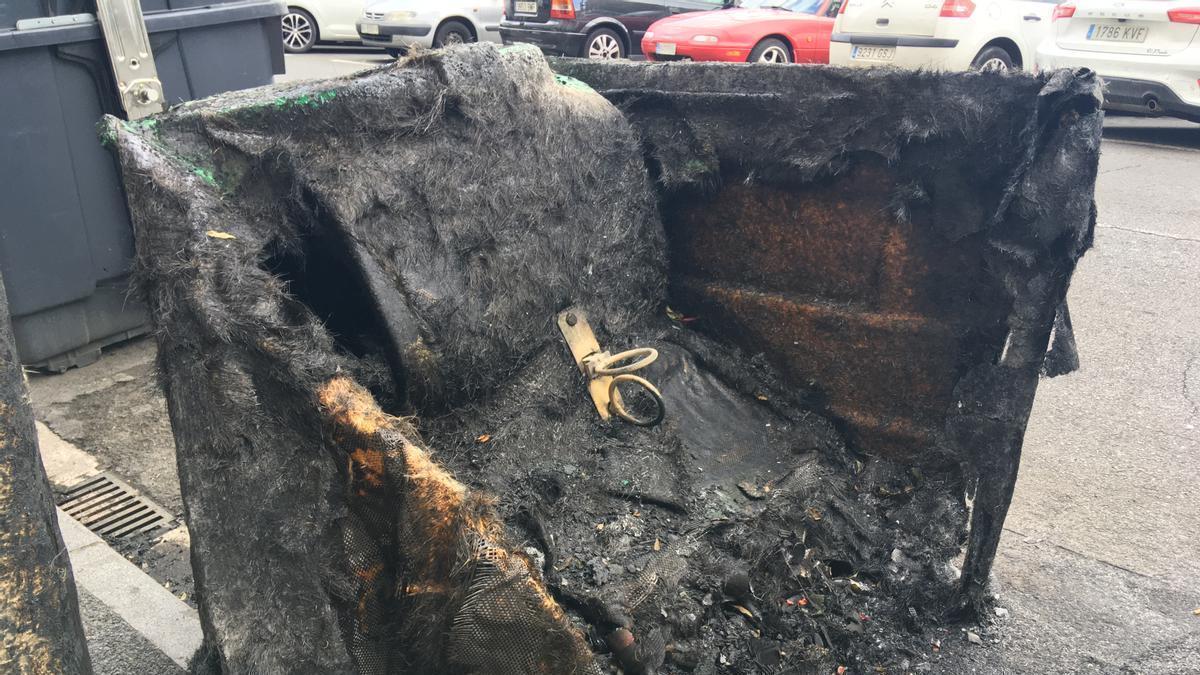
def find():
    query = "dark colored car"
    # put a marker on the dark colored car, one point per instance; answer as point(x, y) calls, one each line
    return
point(596, 29)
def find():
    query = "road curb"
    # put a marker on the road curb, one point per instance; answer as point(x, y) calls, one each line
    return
point(164, 620)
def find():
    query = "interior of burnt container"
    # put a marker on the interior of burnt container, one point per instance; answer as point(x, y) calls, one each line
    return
point(882, 315)
point(815, 288)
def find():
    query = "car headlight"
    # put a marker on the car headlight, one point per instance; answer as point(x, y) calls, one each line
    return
point(704, 39)
point(400, 16)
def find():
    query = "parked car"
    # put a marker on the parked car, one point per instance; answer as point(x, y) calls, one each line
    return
point(1148, 52)
point(948, 35)
point(595, 29)
point(308, 22)
point(770, 31)
point(397, 25)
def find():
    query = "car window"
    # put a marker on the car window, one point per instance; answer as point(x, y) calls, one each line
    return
point(691, 4)
point(834, 6)
point(798, 6)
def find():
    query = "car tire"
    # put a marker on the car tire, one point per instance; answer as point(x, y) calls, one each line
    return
point(393, 52)
point(299, 31)
point(604, 43)
point(771, 50)
point(993, 59)
point(452, 33)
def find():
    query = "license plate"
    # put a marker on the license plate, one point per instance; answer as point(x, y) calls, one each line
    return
point(526, 7)
point(869, 53)
point(1115, 32)
point(665, 48)
point(370, 29)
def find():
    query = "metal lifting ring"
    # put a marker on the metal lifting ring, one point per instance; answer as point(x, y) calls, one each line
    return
point(602, 372)
point(644, 355)
point(618, 409)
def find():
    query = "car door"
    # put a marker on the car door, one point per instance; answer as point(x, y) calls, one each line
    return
point(681, 6)
point(809, 27)
point(339, 18)
point(635, 15)
point(487, 14)
point(816, 38)
point(1035, 17)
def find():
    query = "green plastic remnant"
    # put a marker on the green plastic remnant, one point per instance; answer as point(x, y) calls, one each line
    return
point(136, 126)
point(108, 135)
point(206, 175)
point(107, 128)
point(572, 83)
point(306, 100)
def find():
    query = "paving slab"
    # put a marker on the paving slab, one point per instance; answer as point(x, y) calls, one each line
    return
point(115, 647)
point(157, 616)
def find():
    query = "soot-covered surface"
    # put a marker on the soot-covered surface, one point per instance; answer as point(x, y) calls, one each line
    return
point(901, 240)
point(383, 438)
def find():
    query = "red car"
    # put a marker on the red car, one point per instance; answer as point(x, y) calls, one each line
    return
point(771, 31)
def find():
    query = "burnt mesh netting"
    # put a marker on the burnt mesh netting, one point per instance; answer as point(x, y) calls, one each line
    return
point(390, 460)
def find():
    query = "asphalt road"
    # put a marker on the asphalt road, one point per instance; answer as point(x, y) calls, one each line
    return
point(1111, 466)
point(1099, 569)
point(1102, 545)
point(331, 62)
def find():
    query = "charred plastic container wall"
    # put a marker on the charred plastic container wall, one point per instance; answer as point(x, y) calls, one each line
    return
point(67, 244)
point(903, 241)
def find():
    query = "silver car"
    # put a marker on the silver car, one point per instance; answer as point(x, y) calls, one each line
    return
point(397, 25)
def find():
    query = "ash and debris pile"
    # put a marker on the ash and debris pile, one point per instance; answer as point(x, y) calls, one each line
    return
point(390, 462)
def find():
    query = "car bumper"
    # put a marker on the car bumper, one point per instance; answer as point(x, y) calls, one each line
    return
point(912, 52)
point(548, 37)
point(1146, 97)
point(688, 51)
point(1133, 81)
point(395, 35)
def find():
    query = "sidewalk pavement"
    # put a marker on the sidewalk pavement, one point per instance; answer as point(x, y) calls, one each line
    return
point(133, 625)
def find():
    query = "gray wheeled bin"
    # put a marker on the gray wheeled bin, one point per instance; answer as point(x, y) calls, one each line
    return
point(65, 237)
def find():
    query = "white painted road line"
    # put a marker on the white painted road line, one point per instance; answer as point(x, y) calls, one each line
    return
point(163, 619)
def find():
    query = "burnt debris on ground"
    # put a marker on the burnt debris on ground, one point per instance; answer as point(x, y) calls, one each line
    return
point(851, 279)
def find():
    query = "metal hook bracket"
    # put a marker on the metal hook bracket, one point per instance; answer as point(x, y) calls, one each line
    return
point(604, 371)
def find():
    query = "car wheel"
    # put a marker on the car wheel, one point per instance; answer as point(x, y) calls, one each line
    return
point(299, 31)
point(604, 44)
point(452, 33)
point(993, 59)
point(394, 53)
point(771, 50)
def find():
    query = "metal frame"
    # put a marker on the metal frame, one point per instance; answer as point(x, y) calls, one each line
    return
point(131, 57)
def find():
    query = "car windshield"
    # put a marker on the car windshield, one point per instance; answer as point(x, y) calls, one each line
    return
point(801, 6)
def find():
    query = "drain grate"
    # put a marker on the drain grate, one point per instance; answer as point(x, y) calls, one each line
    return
point(107, 506)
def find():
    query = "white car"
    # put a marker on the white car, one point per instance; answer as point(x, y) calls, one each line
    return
point(308, 22)
point(940, 34)
point(397, 25)
point(1147, 51)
